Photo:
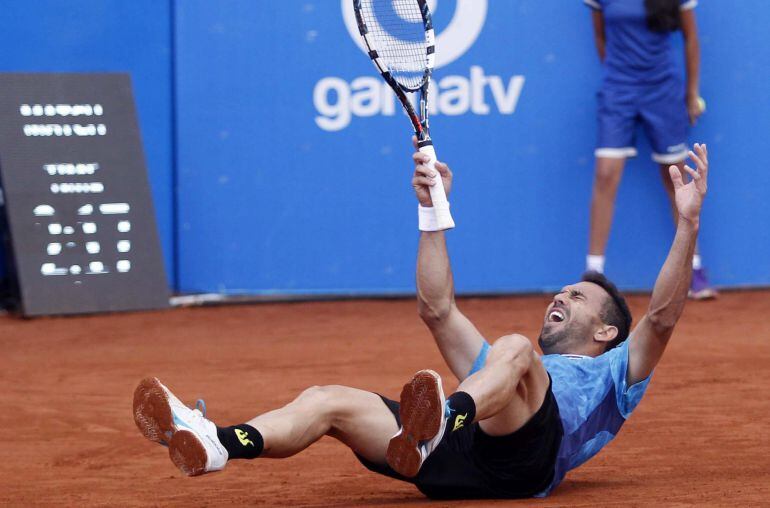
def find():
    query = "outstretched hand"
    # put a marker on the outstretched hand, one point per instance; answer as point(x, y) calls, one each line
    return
point(689, 196)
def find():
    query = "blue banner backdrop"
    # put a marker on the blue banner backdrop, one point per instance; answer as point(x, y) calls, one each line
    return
point(294, 163)
point(293, 160)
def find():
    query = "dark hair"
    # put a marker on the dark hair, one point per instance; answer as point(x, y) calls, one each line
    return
point(662, 15)
point(615, 310)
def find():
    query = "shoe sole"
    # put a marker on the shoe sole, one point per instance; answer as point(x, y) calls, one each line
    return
point(152, 412)
point(421, 414)
point(187, 453)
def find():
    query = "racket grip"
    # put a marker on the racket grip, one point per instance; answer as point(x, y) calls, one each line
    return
point(437, 192)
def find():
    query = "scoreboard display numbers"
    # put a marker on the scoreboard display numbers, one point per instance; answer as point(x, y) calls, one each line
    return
point(77, 202)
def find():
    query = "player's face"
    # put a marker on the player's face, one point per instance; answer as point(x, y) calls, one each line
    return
point(572, 318)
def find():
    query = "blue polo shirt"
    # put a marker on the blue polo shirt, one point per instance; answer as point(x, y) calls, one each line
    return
point(634, 53)
point(594, 402)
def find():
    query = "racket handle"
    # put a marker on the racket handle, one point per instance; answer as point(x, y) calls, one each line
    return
point(437, 192)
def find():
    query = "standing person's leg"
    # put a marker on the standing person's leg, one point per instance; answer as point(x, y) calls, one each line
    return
point(664, 115)
point(358, 418)
point(607, 176)
point(615, 142)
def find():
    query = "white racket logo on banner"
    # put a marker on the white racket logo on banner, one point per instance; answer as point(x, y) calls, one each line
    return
point(452, 43)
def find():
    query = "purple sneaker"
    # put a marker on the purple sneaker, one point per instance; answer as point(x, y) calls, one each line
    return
point(700, 288)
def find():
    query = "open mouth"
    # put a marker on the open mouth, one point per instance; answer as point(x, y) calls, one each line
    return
point(556, 316)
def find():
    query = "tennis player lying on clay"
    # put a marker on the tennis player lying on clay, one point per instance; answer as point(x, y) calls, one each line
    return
point(518, 421)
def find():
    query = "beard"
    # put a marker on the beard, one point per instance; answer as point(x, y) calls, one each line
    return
point(556, 341)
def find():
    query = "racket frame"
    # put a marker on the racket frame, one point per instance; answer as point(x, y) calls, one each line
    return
point(420, 123)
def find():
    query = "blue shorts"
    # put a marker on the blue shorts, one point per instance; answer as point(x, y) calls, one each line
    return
point(661, 110)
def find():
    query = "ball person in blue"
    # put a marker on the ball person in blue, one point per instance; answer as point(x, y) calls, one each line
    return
point(641, 84)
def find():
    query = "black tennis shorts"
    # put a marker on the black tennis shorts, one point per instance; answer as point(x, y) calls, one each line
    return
point(469, 464)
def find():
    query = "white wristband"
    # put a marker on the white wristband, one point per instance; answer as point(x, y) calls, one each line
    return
point(426, 218)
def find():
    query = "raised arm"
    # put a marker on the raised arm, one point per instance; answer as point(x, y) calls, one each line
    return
point(649, 339)
point(692, 63)
point(457, 338)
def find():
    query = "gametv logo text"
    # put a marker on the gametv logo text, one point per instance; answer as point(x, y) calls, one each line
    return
point(338, 101)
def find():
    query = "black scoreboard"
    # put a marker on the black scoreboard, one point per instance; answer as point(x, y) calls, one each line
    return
point(78, 210)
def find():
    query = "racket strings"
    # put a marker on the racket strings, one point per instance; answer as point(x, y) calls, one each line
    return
point(397, 33)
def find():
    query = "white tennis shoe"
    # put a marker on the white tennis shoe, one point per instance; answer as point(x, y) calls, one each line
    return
point(424, 417)
point(192, 441)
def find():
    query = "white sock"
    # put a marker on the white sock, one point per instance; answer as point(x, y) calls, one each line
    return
point(696, 262)
point(594, 263)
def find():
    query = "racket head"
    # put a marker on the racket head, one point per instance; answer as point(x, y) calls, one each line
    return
point(400, 39)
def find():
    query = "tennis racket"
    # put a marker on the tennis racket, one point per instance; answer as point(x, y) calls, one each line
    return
point(400, 40)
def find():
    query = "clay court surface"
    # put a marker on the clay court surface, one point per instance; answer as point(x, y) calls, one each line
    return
point(700, 436)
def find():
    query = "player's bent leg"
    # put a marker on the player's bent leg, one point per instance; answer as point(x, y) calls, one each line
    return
point(497, 436)
point(423, 416)
point(510, 388)
point(358, 418)
point(502, 396)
